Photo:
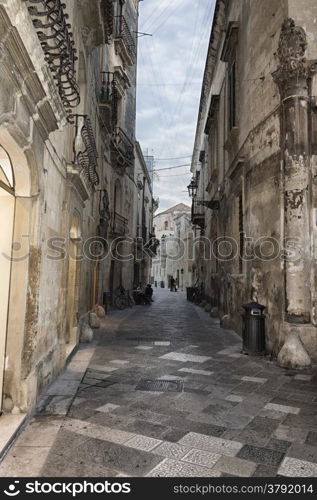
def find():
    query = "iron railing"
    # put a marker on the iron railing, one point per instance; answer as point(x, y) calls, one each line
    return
point(122, 151)
point(53, 31)
point(86, 157)
point(153, 243)
point(109, 99)
point(107, 91)
point(107, 10)
point(123, 31)
point(198, 213)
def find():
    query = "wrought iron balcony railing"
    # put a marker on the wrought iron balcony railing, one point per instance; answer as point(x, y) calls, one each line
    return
point(198, 213)
point(109, 97)
point(108, 88)
point(122, 151)
point(153, 243)
point(53, 31)
point(108, 16)
point(85, 149)
point(119, 225)
point(123, 33)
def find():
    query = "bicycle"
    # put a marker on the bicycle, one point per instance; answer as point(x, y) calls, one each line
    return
point(124, 300)
point(197, 296)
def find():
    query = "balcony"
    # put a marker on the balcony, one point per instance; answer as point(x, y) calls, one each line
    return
point(50, 21)
point(119, 225)
point(154, 243)
point(85, 149)
point(125, 41)
point(107, 11)
point(107, 91)
point(198, 213)
point(122, 151)
point(108, 101)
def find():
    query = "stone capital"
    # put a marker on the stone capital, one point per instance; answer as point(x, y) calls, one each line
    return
point(293, 69)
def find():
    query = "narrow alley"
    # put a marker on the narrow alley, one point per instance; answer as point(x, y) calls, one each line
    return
point(213, 412)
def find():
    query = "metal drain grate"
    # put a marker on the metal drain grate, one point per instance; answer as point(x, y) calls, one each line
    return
point(156, 385)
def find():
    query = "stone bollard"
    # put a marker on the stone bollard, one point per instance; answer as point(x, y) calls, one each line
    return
point(94, 321)
point(85, 332)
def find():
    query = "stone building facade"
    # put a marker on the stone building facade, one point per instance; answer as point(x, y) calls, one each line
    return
point(254, 166)
point(67, 177)
point(173, 230)
point(144, 207)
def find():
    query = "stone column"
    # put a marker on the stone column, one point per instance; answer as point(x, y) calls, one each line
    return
point(292, 78)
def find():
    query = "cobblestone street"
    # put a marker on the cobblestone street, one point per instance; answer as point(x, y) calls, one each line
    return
point(231, 415)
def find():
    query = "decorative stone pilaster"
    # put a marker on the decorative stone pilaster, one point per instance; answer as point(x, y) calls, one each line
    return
point(292, 78)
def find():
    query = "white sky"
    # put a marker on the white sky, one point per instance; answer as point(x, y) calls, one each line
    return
point(170, 71)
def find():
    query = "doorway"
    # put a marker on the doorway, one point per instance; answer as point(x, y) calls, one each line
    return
point(7, 209)
point(73, 284)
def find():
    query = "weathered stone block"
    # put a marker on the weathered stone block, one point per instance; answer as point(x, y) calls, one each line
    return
point(214, 313)
point(99, 310)
point(94, 321)
point(225, 321)
point(86, 334)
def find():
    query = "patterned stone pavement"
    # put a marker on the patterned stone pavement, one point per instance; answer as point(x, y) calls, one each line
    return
point(236, 415)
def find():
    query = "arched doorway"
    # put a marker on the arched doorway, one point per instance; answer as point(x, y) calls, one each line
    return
point(73, 283)
point(7, 208)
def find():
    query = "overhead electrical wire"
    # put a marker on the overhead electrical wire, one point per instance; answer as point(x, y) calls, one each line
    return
point(174, 175)
point(170, 168)
point(167, 114)
point(204, 30)
point(174, 158)
point(146, 24)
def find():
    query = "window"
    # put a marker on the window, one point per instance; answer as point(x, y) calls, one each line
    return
point(241, 234)
point(120, 7)
point(229, 56)
point(6, 171)
point(232, 95)
point(166, 225)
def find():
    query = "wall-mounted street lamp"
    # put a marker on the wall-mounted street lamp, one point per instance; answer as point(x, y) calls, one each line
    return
point(192, 189)
point(212, 204)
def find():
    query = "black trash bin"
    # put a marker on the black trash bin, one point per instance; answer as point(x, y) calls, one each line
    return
point(189, 293)
point(254, 328)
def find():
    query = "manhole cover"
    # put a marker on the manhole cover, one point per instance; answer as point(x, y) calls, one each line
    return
point(149, 384)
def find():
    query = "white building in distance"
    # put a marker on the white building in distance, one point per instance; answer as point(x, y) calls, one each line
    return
point(173, 229)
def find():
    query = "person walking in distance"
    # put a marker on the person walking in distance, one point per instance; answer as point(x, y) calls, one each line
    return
point(173, 285)
point(149, 293)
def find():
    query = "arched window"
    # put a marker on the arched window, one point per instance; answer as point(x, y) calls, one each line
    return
point(117, 197)
point(166, 224)
point(6, 171)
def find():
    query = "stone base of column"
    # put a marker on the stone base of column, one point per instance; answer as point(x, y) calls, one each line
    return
point(299, 350)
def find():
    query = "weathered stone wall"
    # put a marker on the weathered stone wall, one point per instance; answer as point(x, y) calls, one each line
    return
point(265, 160)
point(54, 201)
